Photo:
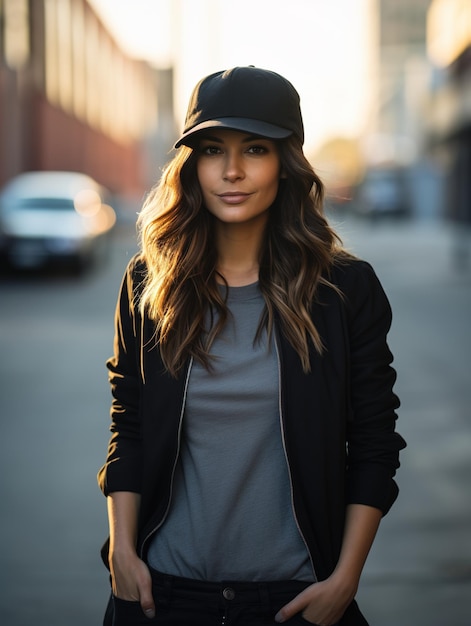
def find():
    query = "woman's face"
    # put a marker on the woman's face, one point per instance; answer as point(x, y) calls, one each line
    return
point(239, 175)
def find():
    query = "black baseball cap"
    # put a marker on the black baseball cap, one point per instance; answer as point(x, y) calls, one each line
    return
point(248, 99)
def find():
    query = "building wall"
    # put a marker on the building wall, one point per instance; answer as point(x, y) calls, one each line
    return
point(449, 126)
point(70, 98)
point(404, 68)
point(120, 167)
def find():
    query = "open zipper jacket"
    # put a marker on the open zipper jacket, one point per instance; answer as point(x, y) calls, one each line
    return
point(338, 420)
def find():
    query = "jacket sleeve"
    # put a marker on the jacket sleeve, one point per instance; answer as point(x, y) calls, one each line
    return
point(372, 442)
point(122, 470)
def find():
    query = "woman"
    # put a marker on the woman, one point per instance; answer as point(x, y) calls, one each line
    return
point(253, 441)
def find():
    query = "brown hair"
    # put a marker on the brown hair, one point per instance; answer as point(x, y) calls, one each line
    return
point(177, 243)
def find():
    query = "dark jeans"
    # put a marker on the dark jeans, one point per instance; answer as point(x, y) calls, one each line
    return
point(185, 602)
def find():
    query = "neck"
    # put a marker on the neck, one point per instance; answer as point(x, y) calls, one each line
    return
point(238, 253)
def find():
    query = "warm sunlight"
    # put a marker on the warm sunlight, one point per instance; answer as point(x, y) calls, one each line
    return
point(324, 48)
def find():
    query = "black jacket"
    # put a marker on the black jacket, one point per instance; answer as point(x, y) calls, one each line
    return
point(338, 420)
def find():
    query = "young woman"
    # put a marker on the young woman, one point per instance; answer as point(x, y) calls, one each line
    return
point(253, 442)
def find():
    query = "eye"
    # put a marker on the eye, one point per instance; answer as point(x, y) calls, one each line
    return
point(210, 150)
point(257, 149)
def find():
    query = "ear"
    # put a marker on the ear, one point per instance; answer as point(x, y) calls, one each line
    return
point(283, 174)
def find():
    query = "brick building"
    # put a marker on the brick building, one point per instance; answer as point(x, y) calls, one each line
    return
point(70, 98)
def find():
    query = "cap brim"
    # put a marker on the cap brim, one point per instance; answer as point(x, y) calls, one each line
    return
point(263, 129)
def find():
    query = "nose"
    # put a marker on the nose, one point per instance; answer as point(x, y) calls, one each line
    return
point(233, 168)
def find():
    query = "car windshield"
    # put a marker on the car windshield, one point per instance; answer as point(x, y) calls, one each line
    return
point(49, 204)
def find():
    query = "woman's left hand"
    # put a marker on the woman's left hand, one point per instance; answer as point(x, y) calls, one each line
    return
point(322, 603)
point(325, 602)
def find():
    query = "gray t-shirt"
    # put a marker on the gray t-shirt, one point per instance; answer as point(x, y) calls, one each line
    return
point(231, 516)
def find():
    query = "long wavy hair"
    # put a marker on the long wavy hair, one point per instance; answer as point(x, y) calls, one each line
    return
point(181, 285)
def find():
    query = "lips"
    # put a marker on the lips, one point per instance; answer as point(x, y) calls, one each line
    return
point(234, 197)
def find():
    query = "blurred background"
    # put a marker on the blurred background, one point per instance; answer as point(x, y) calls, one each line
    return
point(101, 87)
point(93, 94)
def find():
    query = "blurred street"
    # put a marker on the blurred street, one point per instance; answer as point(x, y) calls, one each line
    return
point(55, 335)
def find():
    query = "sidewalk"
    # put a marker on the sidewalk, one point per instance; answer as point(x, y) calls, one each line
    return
point(419, 571)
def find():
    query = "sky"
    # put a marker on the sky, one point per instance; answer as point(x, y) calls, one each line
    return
point(324, 47)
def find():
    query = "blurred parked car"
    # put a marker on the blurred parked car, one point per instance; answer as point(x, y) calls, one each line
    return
point(383, 192)
point(53, 216)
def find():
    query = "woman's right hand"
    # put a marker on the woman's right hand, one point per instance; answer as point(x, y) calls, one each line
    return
point(131, 581)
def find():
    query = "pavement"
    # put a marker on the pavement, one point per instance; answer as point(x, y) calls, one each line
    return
point(419, 570)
